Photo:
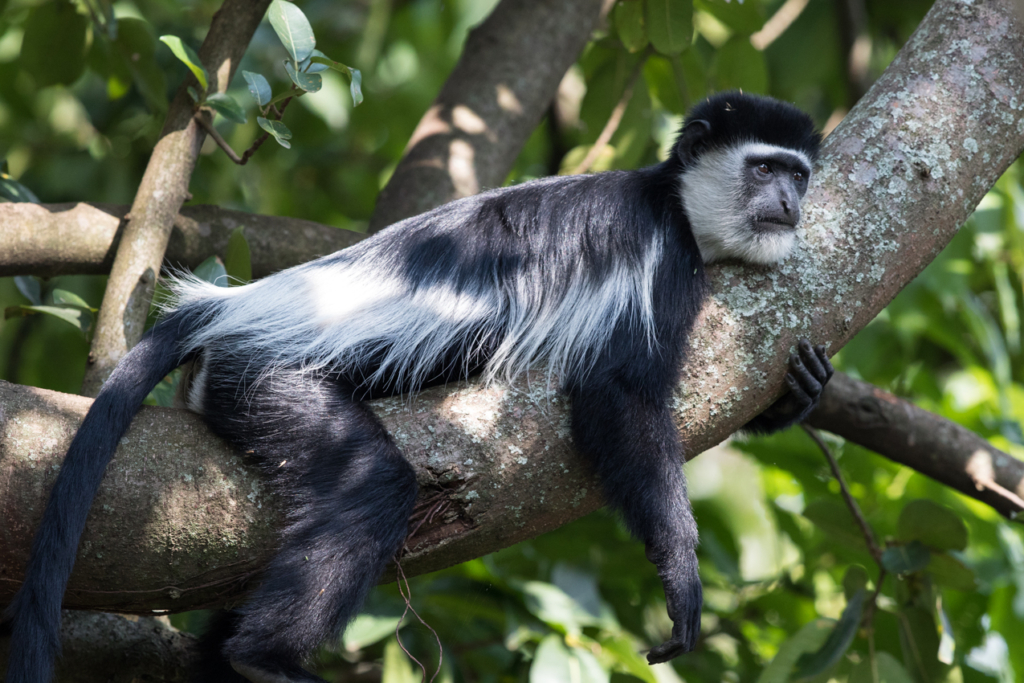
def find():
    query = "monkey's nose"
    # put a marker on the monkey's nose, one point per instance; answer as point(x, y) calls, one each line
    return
point(785, 206)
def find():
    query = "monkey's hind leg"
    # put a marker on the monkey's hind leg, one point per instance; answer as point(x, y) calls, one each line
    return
point(348, 493)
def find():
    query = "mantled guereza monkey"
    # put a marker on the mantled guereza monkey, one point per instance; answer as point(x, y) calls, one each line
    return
point(600, 276)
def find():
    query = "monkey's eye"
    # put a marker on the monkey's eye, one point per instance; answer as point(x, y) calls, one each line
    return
point(764, 168)
point(798, 176)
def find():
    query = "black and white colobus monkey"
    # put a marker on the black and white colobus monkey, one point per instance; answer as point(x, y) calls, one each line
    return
point(599, 275)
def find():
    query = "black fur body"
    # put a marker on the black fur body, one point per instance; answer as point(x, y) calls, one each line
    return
point(600, 276)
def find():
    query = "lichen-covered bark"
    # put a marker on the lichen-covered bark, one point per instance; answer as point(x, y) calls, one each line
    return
point(81, 238)
point(895, 182)
point(161, 193)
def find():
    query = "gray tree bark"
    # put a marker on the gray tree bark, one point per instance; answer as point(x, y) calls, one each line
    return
point(505, 80)
point(896, 180)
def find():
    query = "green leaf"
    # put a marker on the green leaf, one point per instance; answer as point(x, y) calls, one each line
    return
point(276, 129)
point(662, 84)
point(836, 521)
point(743, 18)
point(397, 667)
point(950, 572)
point(30, 288)
point(838, 642)
point(192, 93)
point(79, 317)
point(293, 28)
point(367, 629)
point(670, 25)
point(808, 639)
point(550, 604)
point(855, 579)
point(226, 106)
point(626, 657)
point(212, 270)
point(310, 67)
point(931, 524)
point(590, 670)
point(238, 261)
point(888, 668)
point(739, 65)
point(551, 662)
point(629, 22)
point(134, 57)
point(53, 47)
point(904, 559)
point(308, 82)
point(356, 87)
point(259, 88)
point(355, 75)
point(919, 641)
point(64, 297)
point(188, 56)
point(13, 191)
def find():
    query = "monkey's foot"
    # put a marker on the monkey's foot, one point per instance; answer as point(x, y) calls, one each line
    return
point(809, 372)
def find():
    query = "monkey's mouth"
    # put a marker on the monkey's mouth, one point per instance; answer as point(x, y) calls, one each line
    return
point(772, 224)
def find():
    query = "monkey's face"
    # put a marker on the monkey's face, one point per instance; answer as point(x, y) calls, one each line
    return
point(743, 201)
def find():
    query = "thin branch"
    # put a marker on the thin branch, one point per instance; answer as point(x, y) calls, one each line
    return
point(614, 119)
point(221, 142)
point(263, 138)
point(928, 443)
point(865, 528)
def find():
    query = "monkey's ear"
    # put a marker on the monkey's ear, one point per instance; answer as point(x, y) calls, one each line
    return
point(690, 138)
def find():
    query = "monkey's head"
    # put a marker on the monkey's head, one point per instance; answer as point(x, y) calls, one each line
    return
point(744, 162)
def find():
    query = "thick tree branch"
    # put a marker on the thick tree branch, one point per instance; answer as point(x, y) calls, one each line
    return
point(932, 445)
point(161, 193)
point(507, 76)
point(896, 180)
point(78, 239)
point(116, 648)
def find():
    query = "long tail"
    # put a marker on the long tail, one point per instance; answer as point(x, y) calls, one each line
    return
point(33, 617)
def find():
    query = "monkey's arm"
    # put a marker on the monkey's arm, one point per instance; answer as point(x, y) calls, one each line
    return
point(809, 372)
point(633, 444)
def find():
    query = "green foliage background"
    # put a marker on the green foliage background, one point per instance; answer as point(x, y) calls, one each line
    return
point(81, 103)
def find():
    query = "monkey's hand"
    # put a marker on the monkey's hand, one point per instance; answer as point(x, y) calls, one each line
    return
point(809, 372)
point(684, 599)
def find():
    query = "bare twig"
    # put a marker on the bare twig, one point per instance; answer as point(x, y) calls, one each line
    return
point(614, 119)
point(865, 528)
point(221, 142)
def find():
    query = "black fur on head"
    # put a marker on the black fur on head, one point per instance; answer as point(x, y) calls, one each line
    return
point(732, 117)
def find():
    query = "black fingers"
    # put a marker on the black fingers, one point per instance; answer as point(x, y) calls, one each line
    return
point(809, 371)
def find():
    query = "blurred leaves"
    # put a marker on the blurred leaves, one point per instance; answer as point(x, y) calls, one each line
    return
point(55, 42)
